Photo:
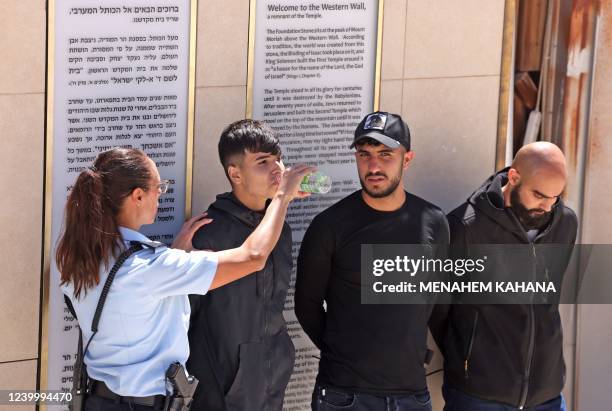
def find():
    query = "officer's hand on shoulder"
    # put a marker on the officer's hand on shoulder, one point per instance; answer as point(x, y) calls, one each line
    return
point(184, 237)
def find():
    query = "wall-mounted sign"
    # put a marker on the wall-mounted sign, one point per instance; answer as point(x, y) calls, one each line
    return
point(314, 73)
point(121, 74)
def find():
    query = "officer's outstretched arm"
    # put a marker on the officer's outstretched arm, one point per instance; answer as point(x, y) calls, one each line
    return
point(251, 256)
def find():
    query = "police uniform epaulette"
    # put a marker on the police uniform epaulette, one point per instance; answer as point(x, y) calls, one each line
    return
point(150, 244)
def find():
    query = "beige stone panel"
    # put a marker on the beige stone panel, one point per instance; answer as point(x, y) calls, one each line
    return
point(16, 376)
point(22, 41)
point(216, 107)
point(568, 322)
point(453, 123)
point(450, 38)
point(21, 173)
point(391, 96)
point(394, 33)
point(568, 390)
point(222, 42)
point(597, 226)
point(593, 358)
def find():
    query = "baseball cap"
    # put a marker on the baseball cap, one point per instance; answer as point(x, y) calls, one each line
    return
point(387, 128)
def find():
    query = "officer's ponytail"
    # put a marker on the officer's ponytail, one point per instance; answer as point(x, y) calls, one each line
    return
point(91, 235)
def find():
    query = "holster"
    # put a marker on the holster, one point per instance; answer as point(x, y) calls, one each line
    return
point(183, 387)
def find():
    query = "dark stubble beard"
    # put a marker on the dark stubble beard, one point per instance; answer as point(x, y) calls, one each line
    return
point(527, 217)
point(381, 194)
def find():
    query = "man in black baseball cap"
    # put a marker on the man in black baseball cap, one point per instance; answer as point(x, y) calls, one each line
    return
point(372, 355)
point(386, 128)
point(382, 143)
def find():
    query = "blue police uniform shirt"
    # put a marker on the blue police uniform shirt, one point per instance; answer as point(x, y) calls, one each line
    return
point(143, 327)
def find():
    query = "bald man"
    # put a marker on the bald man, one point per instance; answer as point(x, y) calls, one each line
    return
point(509, 357)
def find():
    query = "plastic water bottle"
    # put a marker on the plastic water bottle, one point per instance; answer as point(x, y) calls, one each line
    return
point(316, 182)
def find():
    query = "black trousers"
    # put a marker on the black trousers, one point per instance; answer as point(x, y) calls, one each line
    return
point(331, 399)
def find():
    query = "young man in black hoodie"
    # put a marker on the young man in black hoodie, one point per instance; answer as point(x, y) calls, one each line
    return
point(506, 357)
point(372, 356)
point(240, 349)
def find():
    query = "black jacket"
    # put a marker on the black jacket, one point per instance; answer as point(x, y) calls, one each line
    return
point(240, 349)
point(511, 354)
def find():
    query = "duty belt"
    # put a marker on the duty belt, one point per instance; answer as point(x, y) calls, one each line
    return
point(100, 389)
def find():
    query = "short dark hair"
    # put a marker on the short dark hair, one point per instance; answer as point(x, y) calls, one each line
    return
point(249, 135)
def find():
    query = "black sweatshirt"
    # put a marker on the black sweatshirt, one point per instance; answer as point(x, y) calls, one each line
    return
point(506, 353)
point(240, 349)
point(364, 348)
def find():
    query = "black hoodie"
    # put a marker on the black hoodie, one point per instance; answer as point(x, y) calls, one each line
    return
point(240, 349)
point(511, 354)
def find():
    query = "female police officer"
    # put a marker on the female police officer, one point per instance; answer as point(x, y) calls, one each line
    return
point(143, 328)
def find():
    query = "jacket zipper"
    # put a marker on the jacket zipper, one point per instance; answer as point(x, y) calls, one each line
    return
point(525, 389)
point(466, 364)
point(530, 349)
